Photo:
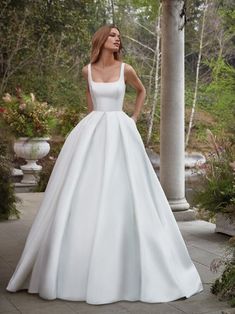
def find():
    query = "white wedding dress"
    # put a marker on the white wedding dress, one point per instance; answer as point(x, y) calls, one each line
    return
point(105, 231)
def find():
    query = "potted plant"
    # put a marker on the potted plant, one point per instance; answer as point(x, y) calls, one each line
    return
point(31, 122)
point(216, 193)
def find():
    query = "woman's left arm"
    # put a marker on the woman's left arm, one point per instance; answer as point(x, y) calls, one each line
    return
point(135, 82)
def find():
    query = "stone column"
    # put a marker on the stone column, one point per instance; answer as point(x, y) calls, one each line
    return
point(172, 163)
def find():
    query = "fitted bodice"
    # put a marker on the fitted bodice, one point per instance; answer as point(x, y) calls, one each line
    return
point(107, 96)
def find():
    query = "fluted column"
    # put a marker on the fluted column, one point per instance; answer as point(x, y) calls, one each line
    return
point(172, 163)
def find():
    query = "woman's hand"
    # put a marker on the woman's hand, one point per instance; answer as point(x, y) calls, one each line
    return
point(134, 118)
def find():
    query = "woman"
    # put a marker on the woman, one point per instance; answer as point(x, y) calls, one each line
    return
point(105, 231)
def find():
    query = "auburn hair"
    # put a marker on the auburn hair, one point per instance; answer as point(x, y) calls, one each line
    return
point(98, 40)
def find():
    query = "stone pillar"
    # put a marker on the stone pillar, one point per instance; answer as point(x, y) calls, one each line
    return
point(172, 163)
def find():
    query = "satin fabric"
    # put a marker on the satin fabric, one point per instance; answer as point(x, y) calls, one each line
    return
point(104, 231)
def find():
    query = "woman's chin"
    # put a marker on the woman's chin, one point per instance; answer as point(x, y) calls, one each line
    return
point(116, 49)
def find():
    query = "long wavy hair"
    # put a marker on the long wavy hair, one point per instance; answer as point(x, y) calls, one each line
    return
point(98, 40)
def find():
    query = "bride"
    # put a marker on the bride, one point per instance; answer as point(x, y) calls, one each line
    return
point(104, 231)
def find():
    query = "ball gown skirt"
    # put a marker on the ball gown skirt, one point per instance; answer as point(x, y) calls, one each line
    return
point(104, 231)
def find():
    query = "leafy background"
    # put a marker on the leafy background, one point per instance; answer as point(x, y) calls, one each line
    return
point(45, 44)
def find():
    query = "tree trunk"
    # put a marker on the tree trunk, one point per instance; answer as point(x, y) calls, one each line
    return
point(156, 85)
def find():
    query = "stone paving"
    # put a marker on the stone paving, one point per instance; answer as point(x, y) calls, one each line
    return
point(203, 244)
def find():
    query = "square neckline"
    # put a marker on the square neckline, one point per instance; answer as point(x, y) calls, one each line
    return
point(120, 74)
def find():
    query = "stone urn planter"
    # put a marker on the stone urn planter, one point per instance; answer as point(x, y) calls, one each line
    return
point(31, 149)
point(225, 223)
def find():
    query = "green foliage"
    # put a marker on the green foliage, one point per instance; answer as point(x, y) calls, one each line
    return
point(224, 286)
point(227, 14)
point(68, 118)
point(220, 92)
point(44, 175)
point(45, 44)
point(145, 9)
point(48, 163)
point(26, 117)
point(217, 186)
point(64, 91)
point(8, 199)
point(42, 40)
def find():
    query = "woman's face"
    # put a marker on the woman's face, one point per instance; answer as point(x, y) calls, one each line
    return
point(113, 41)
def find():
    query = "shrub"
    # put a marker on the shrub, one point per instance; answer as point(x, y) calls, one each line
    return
point(224, 286)
point(45, 174)
point(217, 187)
point(8, 199)
point(67, 118)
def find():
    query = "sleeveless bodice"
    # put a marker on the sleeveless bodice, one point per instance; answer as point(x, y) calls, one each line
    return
point(107, 96)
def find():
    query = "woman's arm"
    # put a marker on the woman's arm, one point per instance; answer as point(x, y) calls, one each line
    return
point(88, 94)
point(135, 82)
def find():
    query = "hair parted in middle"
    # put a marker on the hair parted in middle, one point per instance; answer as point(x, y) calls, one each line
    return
point(98, 40)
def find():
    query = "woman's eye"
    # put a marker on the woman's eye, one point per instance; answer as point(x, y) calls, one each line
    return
point(113, 35)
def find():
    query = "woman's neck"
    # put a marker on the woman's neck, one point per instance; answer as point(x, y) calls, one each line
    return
point(106, 58)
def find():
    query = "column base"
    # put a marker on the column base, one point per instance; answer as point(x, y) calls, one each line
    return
point(179, 204)
point(24, 187)
point(185, 215)
point(181, 210)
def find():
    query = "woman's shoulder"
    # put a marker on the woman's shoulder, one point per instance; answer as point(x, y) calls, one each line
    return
point(128, 69)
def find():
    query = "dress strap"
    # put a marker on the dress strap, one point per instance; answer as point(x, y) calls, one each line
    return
point(89, 73)
point(122, 71)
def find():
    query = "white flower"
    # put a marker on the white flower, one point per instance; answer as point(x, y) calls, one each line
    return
point(22, 106)
point(7, 97)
